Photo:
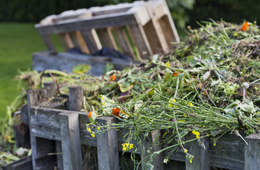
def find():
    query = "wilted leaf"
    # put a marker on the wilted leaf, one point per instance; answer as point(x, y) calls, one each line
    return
point(213, 83)
point(191, 61)
point(206, 76)
point(124, 89)
point(81, 69)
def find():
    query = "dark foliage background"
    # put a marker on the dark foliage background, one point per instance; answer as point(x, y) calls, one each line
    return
point(184, 12)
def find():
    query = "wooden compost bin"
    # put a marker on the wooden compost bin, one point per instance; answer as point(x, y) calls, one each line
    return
point(138, 30)
point(58, 134)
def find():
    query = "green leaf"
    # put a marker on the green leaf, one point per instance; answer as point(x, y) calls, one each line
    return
point(213, 83)
point(81, 69)
point(124, 89)
point(191, 61)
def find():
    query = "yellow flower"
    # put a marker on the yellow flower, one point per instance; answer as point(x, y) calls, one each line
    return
point(191, 160)
point(127, 146)
point(88, 129)
point(102, 98)
point(190, 104)
point(214, 144)
point(93, 135)
point(185, 151)
point(171, 101)
point(167, 64)
point(196, 133)
point(98, 128)
point(207, 135)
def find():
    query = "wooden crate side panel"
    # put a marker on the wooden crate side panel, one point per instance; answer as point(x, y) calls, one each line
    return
point(85, 136)
point(228, 153)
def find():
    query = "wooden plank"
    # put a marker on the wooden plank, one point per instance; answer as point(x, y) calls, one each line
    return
point(59, 155)
point(140, 40)
point(123, 42)
point(85, 137)
point(106, 38)
point(156, 11)
point(153, 37)
point(48, 43)
point(74, 39)
point(70, 141)
point(252, 152)
point(107, 146)
point(22, 135)
point(66, 41)
point(153, 143)
point(201, 155)
point(227, 153)
point(167, 24)
point(51, 88)
point(91, 39)
point(76, 98)
point(89, 23)
point(82, 44)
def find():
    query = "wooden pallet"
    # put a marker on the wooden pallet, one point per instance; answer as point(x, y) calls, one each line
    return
point(58, 134)
point(138, 30)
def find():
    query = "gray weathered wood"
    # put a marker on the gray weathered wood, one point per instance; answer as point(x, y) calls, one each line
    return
point(59, 155)
point(140, 40)
point(106, 38)
point(81, 24)
point(123, 42)
point(48, 43)
point(90, 40)
point(51, 88)
point(70, 141)
point(22, 135)
point(107, 146)
point(252, 152)
point(201, 155)
point(75, 98)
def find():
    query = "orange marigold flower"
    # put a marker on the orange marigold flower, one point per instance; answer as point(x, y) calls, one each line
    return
point(175, 74)
point(116, 111)
point(245, 26)
point(113, 77)
point(89, 114)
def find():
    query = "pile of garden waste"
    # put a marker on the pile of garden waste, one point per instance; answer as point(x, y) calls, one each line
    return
point(208, 86)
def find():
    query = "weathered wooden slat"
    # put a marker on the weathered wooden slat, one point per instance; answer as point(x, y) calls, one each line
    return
point(82, 24)
point(66, 41)
point(201, 155)
point(85, 137)
point(51, 88)
point(48, 43)
point(22, 135)
point(91, 39)
point(82, 44)
point(140, 40)
point(107, 146)
point(70, 141)
point(123, 42)
point(252, 152)
point(227, 153)
point(75, 98)
point(106, 38)
point(59, 155)
point(153, 37)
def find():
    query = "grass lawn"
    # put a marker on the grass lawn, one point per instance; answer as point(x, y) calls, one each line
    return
point(17, 43)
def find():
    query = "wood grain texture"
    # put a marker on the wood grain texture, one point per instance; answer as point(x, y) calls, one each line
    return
point(70, 141)
point(252, 152)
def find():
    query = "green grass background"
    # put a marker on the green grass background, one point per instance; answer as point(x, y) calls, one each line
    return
point(17, 43)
